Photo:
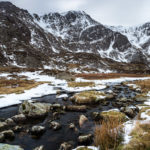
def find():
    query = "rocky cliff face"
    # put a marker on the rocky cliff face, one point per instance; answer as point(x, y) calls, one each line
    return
point(70, 41)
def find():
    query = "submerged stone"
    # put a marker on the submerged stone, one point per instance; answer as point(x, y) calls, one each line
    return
point(10, 147)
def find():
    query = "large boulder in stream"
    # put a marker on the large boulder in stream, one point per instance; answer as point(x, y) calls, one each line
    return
point(37, 130)
point(107, 115)
point(82, 120)
point(8, 134)
point(91, 97)
point(21, 118)
point(3, 126)
point(130, 111)
point(9, 147)
point(34, 110)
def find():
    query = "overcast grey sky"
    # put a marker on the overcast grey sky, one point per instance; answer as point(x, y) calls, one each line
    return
point(110, 12)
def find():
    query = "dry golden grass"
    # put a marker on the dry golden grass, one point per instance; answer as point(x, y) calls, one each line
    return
point(17, 85)
point(16, 69)
point(144, 84)
point(140, 137)
point(81, 84)
point(100, 76)
point(115, 115)
point(109, 134)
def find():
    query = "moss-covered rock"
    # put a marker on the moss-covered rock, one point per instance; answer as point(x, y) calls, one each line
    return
point(34, 110)
point(114, 115)
point(90, 97)
point(83, 148)
point(9, 147)
point(141, 97)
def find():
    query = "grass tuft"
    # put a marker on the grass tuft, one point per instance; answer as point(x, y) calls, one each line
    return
point(109, 134)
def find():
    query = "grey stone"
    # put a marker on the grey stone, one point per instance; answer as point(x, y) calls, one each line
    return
point(55, 125)
point(34, 110)
point(9, 134)
point(21, 118)
point(85, 138)
point(65, 146)
point(37, 130)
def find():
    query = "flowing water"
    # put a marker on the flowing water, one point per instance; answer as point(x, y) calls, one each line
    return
point(52, 139)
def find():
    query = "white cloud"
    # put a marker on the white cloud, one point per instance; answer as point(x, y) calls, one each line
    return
point(66, 5)
point(111, 12)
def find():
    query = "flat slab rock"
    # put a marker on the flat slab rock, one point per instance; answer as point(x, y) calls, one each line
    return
point(9, 147)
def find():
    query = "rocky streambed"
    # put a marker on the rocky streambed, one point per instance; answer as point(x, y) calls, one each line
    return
point(56, 122)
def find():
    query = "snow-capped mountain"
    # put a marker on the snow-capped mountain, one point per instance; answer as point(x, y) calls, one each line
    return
point(66, 25)
point(70, 41)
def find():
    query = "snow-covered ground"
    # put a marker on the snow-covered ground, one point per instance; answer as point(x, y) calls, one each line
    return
point(130, 125)
point(46, 89)
point(90, 147)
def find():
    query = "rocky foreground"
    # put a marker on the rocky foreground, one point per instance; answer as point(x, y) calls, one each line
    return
point(65, 122)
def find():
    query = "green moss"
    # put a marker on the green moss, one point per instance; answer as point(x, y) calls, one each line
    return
point(114, 115)
point(84, 148)
point(140, 138)
point(88, 97)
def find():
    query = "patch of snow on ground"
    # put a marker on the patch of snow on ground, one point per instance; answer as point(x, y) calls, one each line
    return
point(46, 88)
point(128, 127)
point(62, 96)
point(90, 147)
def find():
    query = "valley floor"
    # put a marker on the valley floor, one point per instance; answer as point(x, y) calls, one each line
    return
point(19, 86)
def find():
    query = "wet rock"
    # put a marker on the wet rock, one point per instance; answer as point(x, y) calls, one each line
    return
point(141, 98)
point(8, 134)
point(3, 126)
point(34, 110)
point(37, 130)
point(65, 146)
point(9, 147)
point(17, 129)
point(56, 106)
point(77, 108)
point(109, 96)
point(72, 126)
point(123, 99)
point(105, 103)
point(119, 104)
point(2, 137)
point(130, 112)
point(96, 116)
point(83, 139)
point(82, 120)
point(55, 115)
point(65, 98)
point(39, 148)
point(21, 118)
point(89, 97)
point(55, 125)
point(10, 122)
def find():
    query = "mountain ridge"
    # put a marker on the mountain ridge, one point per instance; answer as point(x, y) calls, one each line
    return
point(69, 41)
